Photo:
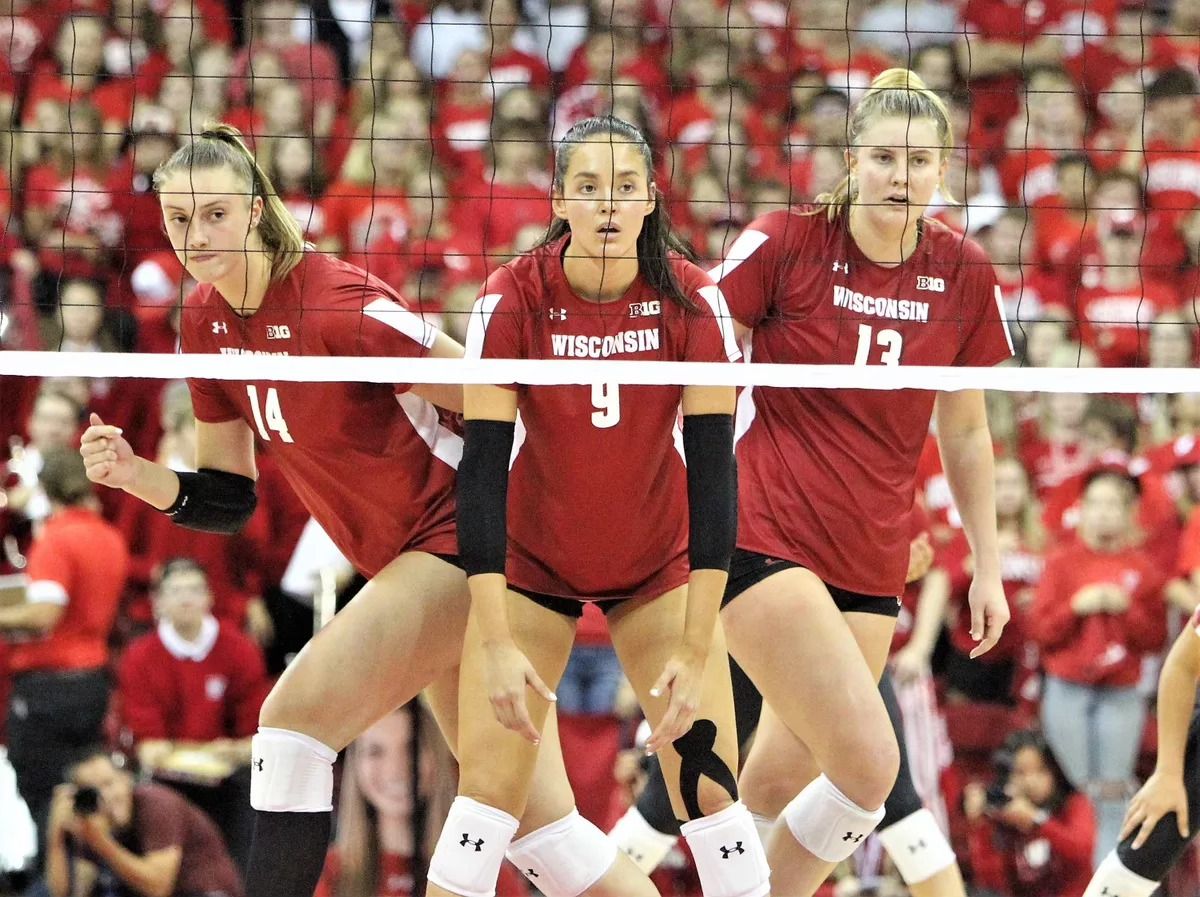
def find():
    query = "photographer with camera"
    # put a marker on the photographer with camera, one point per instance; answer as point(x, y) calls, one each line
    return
point(108, 835)
point(1031, 834)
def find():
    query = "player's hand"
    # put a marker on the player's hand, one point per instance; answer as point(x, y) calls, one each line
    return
point(107, 455)
point(682, 681)
point(989, 613)
point(1159, 796)
point(509, 673)
point(920, 557)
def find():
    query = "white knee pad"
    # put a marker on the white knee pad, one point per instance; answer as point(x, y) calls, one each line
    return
point(1114, 877)
point(729, 856)
point(471, 848)
point(765, 826)
point(290, 772)
point(917, 846)
point(827, 823)
point(564, 858)
point(640, 841)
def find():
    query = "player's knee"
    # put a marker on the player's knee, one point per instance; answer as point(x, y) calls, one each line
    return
point(729, 856)
point(471, 848)
point(283, 709)
point(766, 787)
point(290, 772)
point(866, 769)
point(500, 794)
point(827, 822)
point(564, 858)
point(712, 798)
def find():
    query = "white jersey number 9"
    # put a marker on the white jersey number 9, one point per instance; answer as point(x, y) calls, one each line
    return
point(606, 399)
point(891, 341)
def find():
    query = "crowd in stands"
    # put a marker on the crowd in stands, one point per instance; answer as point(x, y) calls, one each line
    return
point(415, 139)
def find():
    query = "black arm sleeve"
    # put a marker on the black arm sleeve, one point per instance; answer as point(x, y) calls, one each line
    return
point(483, 495)
point(712, 490)
point(213, 501)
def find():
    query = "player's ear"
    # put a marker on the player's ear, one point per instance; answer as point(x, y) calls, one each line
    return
point(256, 210)
point(851, 160)
point(651, 200)
point(558, 203)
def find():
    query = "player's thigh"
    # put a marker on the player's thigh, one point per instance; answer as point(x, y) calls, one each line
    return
point(700, 768)
point(401, 631)
point(873, 633)
point(496, 764)
point(798, 649)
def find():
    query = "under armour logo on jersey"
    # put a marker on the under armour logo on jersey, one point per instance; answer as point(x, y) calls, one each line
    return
point(727, 852)
point(257, 763)
point(850, 836)
point(844, 267)
point(920, 845)
point(220, 327)
point(529, 873)
point(558, 314)
point(466, 839)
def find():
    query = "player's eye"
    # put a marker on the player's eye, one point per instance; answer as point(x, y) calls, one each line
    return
point(883, 157)
point(627, 187)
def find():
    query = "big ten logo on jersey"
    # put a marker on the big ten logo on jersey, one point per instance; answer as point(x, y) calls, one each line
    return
point(645, 309)
point(932, 284)
point(279, 331)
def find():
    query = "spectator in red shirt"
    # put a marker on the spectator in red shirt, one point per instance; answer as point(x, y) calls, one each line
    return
point(1025, 290)
point(144, 839)
point(59, 636)
point(1031, 833)
point(189, 695)
point(1098, 612)
point(294, 166)
point(1114, 310)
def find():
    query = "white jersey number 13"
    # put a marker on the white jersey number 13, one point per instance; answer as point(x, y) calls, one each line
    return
point(267, 416)
point(890, 341)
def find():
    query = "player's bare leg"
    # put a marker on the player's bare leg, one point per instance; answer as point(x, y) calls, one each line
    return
point(498, 764)
point(790, 638)
point(700, 767)
point(550, 797)
point(397, 635)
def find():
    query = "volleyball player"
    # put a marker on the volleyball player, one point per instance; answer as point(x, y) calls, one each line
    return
point(372, 464)
point(827, 476)
point(598, 507)
point(1162, 819)
point(908, 831)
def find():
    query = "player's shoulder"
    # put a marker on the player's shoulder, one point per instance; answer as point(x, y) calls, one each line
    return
point(526, 278)
point(950, 247)
point(690, 275)
point(794, 222)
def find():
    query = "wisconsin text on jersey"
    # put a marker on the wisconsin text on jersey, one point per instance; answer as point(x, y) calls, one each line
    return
point(628, 341)
point(880, 306)
point(238, 350)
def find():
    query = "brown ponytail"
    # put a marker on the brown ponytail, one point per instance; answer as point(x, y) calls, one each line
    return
point(220, 146)
point(895, 92)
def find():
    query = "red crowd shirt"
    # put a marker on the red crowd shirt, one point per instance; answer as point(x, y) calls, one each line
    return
point(359, 216)
point(811, 460)
point(371, 462)
point(1054, 860)
point(1172, 178)
point(1116, 323)
point(607, 450)
point(213, 689)
point(1189, 546)
point(1102, 649)
point(79, 562)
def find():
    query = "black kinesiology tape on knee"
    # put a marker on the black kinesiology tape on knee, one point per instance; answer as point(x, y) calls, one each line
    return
point(698, 760)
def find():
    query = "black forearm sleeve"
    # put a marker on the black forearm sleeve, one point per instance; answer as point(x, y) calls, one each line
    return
point(483, 495)
point(712, 490)
point(213, 501)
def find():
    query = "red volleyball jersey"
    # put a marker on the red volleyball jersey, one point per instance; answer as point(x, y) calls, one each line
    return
point(371, 462)
point(827, 475)
point(597, 490)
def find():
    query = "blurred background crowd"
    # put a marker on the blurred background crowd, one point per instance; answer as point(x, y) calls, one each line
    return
point(415, 139)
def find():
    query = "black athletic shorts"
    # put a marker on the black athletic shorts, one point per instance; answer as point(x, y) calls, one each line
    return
point(451, 559)
point(568, 607)
point(749, 568)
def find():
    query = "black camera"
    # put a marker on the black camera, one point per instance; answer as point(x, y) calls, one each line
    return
point(997, 796)
point(86, 801)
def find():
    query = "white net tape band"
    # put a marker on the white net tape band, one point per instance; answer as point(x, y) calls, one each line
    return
point(550, 372)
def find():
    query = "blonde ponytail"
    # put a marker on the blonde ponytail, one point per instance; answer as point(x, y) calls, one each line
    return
point(895, 92)
point(220, 146)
